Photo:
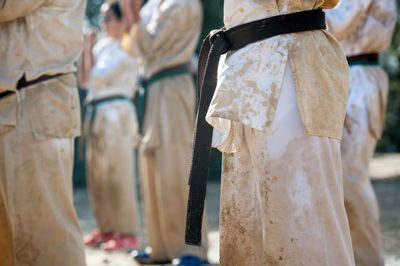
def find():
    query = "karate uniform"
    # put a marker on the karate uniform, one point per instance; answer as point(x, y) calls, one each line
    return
point(167, 36)
point(363, 27)
point(6, 240)
point(278, 113)
point(113, 127)
point(37, 128)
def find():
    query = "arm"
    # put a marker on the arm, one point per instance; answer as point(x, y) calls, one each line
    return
point(87, 60)
point(347, 17)
point(13, 9)
point(145, 39)
point(379, 25)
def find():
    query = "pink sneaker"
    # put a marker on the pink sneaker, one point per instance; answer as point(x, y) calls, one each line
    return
point(121, 243)
point(96, 238)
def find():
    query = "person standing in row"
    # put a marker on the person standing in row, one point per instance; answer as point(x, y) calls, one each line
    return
point(164, 35)
point(39, 119)
point(277, 115)
point(110, 126)
point(364, 28)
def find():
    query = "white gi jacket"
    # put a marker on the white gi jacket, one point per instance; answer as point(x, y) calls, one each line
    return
point(250, 79)
point(33, 35)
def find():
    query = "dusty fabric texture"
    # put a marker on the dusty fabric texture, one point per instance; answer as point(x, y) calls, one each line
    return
point(110, 155)
point(166, 36)
point(37, 126)
point(363, 26)
point(282, 195)
point(250, 78)
point(26, 49)
point(6, 236)
point(165, 151)
point(358, 146)
point(110, 161)
point(164, 173)
point(30, 46)
point(114, 72)
point(36, 178)
point(169, 114)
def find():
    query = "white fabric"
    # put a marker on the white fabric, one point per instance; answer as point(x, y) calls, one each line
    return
point(250, 79)
point(282, 195)
point(358, 146)
point(38, 37)
point(114, 72)
point(166, 35)
point(363, 26)
point(110, 155)
point(36, 178)
point(365, 120)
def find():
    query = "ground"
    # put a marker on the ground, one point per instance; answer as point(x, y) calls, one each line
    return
point(385, 171)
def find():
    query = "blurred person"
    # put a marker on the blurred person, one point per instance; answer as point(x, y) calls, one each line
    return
point(111, 126)
point(363, 28)
point(277, 115)
point(39, 119)
point(164, 36)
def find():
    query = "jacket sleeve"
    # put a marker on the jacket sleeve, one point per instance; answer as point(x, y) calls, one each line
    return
point(347, 17)
point(379, 24)
point(11, 10)
point(145, 39)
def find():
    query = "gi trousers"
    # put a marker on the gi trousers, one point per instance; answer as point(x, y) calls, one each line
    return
point(6, 238)
point(110, 161)
point(36, 180)
point(282, 195)
point(164, 159)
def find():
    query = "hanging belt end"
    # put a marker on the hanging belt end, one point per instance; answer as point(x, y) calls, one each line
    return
point(192, 237)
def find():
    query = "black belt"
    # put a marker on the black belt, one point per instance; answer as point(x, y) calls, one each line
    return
point(216, 44)
point(364, 59)
point(140, 98)
point(22, 82)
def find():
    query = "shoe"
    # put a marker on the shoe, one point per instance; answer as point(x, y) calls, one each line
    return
point(189, 261)
point(143, 257)
point(121, 243)
point(96, 238)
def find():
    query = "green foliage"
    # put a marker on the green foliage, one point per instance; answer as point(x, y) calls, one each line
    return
point(212, 16)
point(92, 13)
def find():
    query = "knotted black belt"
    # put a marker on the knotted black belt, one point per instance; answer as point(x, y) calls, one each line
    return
point(216, 44)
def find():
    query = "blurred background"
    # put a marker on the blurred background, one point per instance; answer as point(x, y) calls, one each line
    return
point(385, 168)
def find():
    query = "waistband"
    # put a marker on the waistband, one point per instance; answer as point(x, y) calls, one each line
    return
point(140, 98)
point(89, 111)
point(216, 44)
point(364, 60)
point(23, 83)
point(181, 69)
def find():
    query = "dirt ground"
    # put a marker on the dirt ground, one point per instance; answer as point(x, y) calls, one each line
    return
point(385, 171)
